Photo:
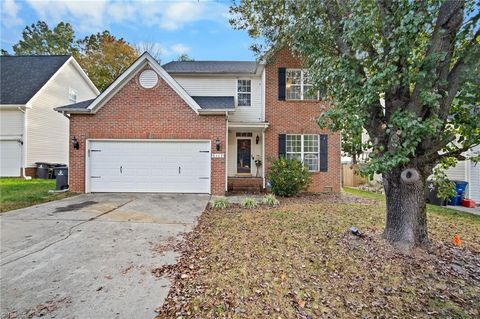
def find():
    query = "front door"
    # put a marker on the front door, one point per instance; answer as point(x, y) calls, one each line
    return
point(244, 156)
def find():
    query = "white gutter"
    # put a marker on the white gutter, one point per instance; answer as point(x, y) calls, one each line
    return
point(263, 159)
point(226, 153)
point(24, 143)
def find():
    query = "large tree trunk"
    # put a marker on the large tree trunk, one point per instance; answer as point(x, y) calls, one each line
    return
point(406, 224)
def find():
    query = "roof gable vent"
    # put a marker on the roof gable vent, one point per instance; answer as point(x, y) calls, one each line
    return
point(148, 79)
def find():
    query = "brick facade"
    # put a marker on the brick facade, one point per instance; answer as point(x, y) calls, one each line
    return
point(298, 117)
point(137, 113)
point(160, 113)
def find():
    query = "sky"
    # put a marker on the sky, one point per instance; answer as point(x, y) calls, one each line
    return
point(199, 28)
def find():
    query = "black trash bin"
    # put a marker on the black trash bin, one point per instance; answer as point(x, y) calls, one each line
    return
point(43, 170)
point(432, 195)
point(61, 177)
point(53, 166)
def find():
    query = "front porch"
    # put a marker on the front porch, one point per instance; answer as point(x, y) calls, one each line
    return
point(246, 157)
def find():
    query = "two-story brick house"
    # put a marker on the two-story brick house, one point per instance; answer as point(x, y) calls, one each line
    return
point(200, 127)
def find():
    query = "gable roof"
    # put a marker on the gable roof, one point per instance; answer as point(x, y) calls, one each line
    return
point(211, 67)
point(23, 76)
point(115, 86)
point(215, 102)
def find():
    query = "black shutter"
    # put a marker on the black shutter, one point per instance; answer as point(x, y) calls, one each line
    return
point(323, 153)
point(282, 145)
point(282, 78)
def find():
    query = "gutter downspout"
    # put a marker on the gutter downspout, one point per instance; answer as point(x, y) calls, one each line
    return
point(24, 143)
point(226, 152)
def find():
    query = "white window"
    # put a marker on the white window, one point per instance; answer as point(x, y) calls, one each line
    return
point(244, 93)
point(304, 148)
point(72, 95)
point(299, 85)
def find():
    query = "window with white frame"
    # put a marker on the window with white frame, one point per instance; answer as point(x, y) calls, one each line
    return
point(244, 92)
point(304, 148)
point(299, 85)
point(72, 95)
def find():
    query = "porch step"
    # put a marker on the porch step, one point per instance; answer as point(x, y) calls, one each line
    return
point(245, 184)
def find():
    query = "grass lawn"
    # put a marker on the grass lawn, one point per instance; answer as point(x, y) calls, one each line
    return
point(299, 260)
point(18, 193)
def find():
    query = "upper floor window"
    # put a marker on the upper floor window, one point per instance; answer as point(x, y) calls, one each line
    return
point(299, 85)
point(244, 92)
point(72, 95)
point(304, 148)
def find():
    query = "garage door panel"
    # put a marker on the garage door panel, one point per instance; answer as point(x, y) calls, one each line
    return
point(10, 158)
point(150, 166)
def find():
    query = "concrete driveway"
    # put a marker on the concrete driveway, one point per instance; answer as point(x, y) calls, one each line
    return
point(91, 256)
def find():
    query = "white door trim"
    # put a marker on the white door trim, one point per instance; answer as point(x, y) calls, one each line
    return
point(236, 152)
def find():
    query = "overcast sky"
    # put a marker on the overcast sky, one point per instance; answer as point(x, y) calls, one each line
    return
point(198, 28)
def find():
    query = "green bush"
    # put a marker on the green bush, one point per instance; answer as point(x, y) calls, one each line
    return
point(288, 177)
point(270, 200)
point(220, 203)
point(249, 203)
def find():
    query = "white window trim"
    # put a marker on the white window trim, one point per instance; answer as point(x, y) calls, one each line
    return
point(236, 88)
point(302, 149)
point(301, 86)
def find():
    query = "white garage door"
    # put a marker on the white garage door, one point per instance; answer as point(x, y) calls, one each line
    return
point(10, 158)
point(149, 166)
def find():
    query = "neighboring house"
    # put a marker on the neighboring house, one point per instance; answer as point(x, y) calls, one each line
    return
point(468, 171)
point(30, 130)
point(199, 127)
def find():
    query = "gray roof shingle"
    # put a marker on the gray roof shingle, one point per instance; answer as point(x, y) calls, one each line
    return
point(205, 102)
point(215, 102)
point(23, 76)
point(211, 67)
point(75, 106)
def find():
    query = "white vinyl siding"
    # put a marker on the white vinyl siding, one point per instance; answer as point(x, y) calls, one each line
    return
point(474, 187)
point(457, 173)
point(48, 130)
point(11, 123)
point(468, 171)
point(226, 86)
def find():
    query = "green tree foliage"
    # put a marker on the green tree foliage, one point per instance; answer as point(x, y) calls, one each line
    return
point(288, 177)
point(104, 57)
point(39, 39)
point(420, 57)
point(184, 57)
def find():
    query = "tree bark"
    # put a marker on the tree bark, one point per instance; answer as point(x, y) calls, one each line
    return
point(406, 224)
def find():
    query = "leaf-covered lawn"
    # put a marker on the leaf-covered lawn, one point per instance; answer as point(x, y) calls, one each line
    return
point(18, 193)
point(300, 261)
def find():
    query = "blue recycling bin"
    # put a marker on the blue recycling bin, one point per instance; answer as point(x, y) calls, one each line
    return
point(460, 187)
point(455, 200)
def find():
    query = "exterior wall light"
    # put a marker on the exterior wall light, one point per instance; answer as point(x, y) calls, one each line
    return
point(75, 143)
point(218, 143)
point(257, 139)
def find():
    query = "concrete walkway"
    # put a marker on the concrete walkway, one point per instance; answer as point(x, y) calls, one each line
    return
point(475, 211)
point(91, 256)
